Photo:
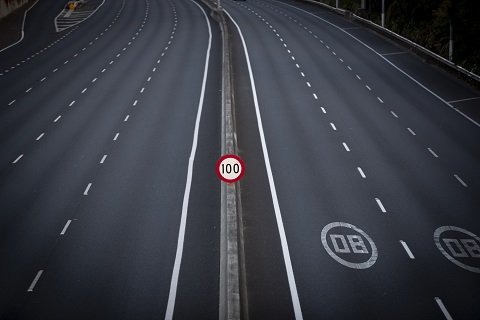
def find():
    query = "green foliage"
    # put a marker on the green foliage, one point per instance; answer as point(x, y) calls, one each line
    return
point(427, 22)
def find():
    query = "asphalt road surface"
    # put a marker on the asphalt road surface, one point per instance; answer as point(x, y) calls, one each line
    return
point(106, 130)
point(360, 198)
point(355, 161)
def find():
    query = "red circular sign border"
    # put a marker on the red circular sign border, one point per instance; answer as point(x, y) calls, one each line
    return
point(217, 168)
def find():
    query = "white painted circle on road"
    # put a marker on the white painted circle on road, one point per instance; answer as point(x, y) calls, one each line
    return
point(349, 242)
point(458, 245)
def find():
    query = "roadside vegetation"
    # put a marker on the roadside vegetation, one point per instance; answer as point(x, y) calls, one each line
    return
point(427, 22)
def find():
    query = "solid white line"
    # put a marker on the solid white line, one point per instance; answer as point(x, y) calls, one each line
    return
point(380, 205)
point(19, 157)
point(12, 102)
point(394, 114)
point(103, 158)
point(444, 310)
point(315, 96)
point(361, 172)
point(23, 28)
point(410, 254)
point(323, 110)
point(116, 136)
point(57, 119)
point(85, 193)
point(40, 136)
point(283, 238)
point(460, 180)
point(183, 220)
point(126, 118)
point(346, 147)
point(333, 126)
point(434, 154)
point(461, 100)
point(411, 131)
point(66, 226)
point(380, 99)
point(34, 282)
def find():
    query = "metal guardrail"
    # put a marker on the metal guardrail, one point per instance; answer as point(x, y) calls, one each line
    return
point(432, 57)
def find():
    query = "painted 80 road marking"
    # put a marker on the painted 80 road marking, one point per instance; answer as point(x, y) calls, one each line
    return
point(356, 243)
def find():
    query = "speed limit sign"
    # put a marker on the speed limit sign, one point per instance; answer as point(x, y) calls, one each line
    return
point(230, 168)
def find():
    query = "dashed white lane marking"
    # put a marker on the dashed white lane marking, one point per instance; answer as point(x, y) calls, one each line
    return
point(315, 96)
point(149, 78)
point(116, 136)
point(296, 64)
point(407, 249)
point(43, 79)
point(65, 62)
point(135, 102)
point(12, 102)
point(154, 69)
point(345, 146)
point(66, 227)
point(58, 118)
point(103, 158)
point(323, 110)
point(327, 47)
point(303, 74)
point(29, 89)
point(143, 89)
point(394, 114)
point(103, 70)
point(85, 193)
point(380, 205)
point(433, 153)
point(333, 126)
point(18, 158)
point(341, 60)
point(444, 310)
point(126, 118)
point(55, 70)
point(293, 58)
point(411, 131)
point(358, 77)
point(95, 79)
point(368, 87)
point(83, 91)
point(349, 68)
point(333, 52)
point(111, 62)
point(308, 84)
point(379, 99)
point(460, 180)
point(71, 103)
point(361, 172)
point(35, 280)
point(40, 136)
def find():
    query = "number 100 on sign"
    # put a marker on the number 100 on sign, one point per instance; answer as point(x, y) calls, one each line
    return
point(230, 168)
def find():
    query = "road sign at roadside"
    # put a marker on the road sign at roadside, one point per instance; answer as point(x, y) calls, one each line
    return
point(72, 6)
point(230, 168)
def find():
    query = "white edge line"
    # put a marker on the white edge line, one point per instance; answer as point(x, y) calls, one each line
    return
point(183, 220)
point(444, 310)
point(407, 249)
point(34, 282)
point(66, 227)
point(388, 61)
point(283, 239)
point(23, 28)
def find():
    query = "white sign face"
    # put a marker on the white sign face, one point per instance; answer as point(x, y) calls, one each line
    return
point(460, 246)
point(230, 168)
point(347, 244)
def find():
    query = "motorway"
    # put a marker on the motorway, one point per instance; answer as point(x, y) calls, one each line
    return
point(343, 131)
point(360, 198)
point(105, 131)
